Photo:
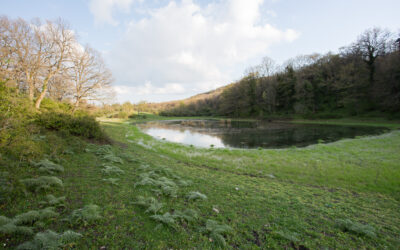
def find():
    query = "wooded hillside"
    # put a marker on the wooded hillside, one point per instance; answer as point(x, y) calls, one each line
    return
point(363, 78)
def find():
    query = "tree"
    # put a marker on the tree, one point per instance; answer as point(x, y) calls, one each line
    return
point(141, 106)
point(57, 41)
point(90, 78)
point(60, 87)
point(370, 45)
point(267, 67)
point(19, 46)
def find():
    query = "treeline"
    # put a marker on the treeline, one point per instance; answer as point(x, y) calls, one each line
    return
point(363, 78)
point(126, 109)
point(45, 60)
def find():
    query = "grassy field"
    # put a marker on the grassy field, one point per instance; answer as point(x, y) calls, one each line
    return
point(339, 195)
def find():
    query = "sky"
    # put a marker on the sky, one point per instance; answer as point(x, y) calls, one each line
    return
point(161, 50)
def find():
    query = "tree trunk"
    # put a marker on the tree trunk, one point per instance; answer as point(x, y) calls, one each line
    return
point(76, 105)
point(31, 87)
point(43, 94)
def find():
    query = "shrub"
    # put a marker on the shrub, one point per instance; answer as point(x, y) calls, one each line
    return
point(54, 106)
point(85, 126)
point(16, 128)
point(121, 115)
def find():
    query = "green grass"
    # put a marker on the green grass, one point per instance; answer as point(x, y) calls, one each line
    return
point(315, 190)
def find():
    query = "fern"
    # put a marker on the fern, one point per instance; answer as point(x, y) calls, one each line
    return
point(165, 181)
point(146, 181)
point(5, 185)
point(167, 186)
point(8, 227)
point(112, 181)
point(12, 229)
point(164, 170)
point(187, 215)
point(129, 158)
point(47, 213)
point(192, 196)
point(48, 167)
point(348, 225)
point(165, 219)
point(86, 215)
point(184, 183)
point(152, 205)
point(69, 237)
point(105, 152)
point(112, 170)
point(105, 149)
point(112, 158)
point(4, 220)
point(51, 200)
point(18, 225)
point(27, 218)
point(171, 191)
point(217, 231)
point(142, 201)
point(98, 150)
point(144, 167)
point(290, 236)
point(68, 151)
point(91, 148)
point(50, 240)
point(42, 183)
point(30, 217)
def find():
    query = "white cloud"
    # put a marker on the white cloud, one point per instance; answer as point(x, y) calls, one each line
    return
point(102, 10)
point(143, 92)
point(199, 48)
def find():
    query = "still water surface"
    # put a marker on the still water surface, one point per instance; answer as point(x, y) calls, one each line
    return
point(245, 134)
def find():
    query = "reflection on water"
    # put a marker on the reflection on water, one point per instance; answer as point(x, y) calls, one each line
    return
point(241, 134)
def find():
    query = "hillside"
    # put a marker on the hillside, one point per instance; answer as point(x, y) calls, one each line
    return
point(364, 78)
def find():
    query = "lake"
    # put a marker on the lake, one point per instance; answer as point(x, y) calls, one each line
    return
point(250, 134)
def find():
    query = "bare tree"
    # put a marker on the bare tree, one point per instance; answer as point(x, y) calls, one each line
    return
point(370, 45)
point(60, 87)
point(91, 79)
point(7, 67)
point(267, 67)
point(57, 41)
point(19, 41)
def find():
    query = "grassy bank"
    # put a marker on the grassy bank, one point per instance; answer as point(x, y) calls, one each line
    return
point(339, 195)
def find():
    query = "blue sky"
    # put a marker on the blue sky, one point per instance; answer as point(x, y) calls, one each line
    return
point(162, 50)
